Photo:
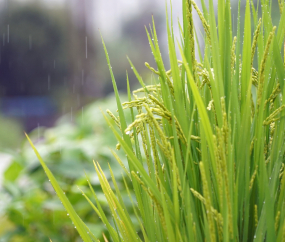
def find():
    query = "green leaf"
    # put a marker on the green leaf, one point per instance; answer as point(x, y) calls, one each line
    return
point(79, 225)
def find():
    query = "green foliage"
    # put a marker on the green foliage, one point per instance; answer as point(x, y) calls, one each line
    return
point(205, 148)
point(12, 139)
point(32, 209)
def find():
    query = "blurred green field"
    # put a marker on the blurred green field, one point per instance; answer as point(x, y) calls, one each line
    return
point(29, 207)
point(11, 133)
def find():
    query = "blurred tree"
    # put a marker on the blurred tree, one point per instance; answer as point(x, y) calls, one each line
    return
point(40, 65)
point(34, 54)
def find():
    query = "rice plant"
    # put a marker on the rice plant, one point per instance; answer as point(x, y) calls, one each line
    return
point(205, 148)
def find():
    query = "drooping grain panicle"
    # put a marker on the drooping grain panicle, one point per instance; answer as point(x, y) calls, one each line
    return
point(217, 216)
point(252, 178)
point(203, 20)
point(272, 117)
point(255, 38)
point(191, 34)
point(233, 56)
point(262, 68)
point(273, 95)
point(255, 215)
point(207, 203)
point(280, 4)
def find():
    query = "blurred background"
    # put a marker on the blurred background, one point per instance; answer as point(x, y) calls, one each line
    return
point(53, 80)
point(51, 55)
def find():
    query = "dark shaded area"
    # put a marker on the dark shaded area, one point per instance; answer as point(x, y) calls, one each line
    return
point(36, 64)
point(33, 55)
